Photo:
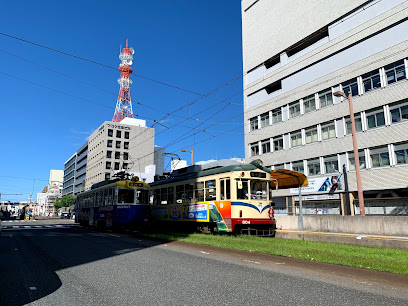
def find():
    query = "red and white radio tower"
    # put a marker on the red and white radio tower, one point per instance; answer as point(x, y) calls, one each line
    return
point(124, 104)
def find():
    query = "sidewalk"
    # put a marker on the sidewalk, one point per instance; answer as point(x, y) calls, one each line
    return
point(399, 242)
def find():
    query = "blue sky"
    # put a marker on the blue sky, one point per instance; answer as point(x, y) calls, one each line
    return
point(51, 103)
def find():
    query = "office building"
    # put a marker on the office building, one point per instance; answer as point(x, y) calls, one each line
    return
point(296, 54)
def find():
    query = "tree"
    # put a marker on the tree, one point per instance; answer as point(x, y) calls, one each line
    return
point(66, 201)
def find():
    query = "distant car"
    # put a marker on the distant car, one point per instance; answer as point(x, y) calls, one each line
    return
point(65, 215)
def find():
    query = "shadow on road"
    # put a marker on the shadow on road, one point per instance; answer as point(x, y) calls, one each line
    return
point(29, 259)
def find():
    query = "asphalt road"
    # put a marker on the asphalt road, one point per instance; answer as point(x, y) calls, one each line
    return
point(54, 262)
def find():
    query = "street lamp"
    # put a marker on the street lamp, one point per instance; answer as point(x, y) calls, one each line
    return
point(355, 149)
point(192, 154)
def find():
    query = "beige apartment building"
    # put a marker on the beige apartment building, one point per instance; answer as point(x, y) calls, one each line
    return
point(127, 145)
point(296, 54)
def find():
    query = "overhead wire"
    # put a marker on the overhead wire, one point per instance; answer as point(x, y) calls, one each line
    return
point(103, 65)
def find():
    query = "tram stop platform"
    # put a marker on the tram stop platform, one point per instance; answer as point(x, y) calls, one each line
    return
point(397, 242)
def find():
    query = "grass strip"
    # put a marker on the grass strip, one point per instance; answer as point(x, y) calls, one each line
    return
point(374, 258)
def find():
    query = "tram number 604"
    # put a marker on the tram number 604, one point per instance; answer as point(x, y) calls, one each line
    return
point(246, 222)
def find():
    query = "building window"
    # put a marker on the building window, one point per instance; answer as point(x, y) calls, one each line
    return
point(264, 120)
point(119, 134)
point(298, 166)
point(117, 166)
point(109, 143)
point(371, 80)
point(108, 154)
point(350, 85)
point(328, 131)
point(375, 118)
point(125, 165)
point(380, 157)
point(126, 145)
point(108, 165)
point(117, 155)
point(253, 122)
point(313, 166)
point(254, 149)
point(294, 109)
point(296, 139)
point(331, 164)
point(395, 72)
point(309, 104)
point(311, 135)
point(110, 132)
point(357, 123)
point(266, 146)
point(279, 166)
point(118, 145)
point(125, 156)
point(401, 153)
point(107, 176)
point(361, 159)
point(399, 112)
point(278, 144)
point(126, 135)
point(276, 115)
point(325, 98)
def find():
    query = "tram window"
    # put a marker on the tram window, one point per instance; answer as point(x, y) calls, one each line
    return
point(225, 189)
point(189, 192)
point(199, 185)
point(199, 195)
point(110, 196)
point(126, 196)
point(163, 196)
point(105, 197)
point(242, 193)
point(142, 196)
point(199, 191)
point(170, 195)
point(228, 189)
point(156, 196)
point(259, 190)
point(210, 190)
point(100, 196)
point(180, 193)
point(222, 189)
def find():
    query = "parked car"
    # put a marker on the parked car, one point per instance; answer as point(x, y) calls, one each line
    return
point(65, 215)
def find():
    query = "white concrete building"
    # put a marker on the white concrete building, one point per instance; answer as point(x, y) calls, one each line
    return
point(295, 55)
point(113, 147)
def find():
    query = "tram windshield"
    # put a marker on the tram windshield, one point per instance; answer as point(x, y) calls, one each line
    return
point(142, 197)
point(125, 196)
point(259, 190)
point(256, 189)
point(242, 193)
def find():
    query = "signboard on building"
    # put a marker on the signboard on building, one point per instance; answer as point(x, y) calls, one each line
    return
point(54, 185)
point(321, 184)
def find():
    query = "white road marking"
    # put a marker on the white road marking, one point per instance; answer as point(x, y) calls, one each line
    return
point(204, 252)
point(251, 261)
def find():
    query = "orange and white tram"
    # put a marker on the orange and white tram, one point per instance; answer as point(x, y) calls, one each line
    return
point(216, 198)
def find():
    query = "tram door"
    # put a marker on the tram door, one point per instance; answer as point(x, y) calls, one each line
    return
point(91, 216)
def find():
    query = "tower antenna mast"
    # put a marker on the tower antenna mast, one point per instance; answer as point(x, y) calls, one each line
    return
point(124, 103)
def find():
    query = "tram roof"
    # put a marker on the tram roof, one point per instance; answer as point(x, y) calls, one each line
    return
point(114, 183)
point(192, 175)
